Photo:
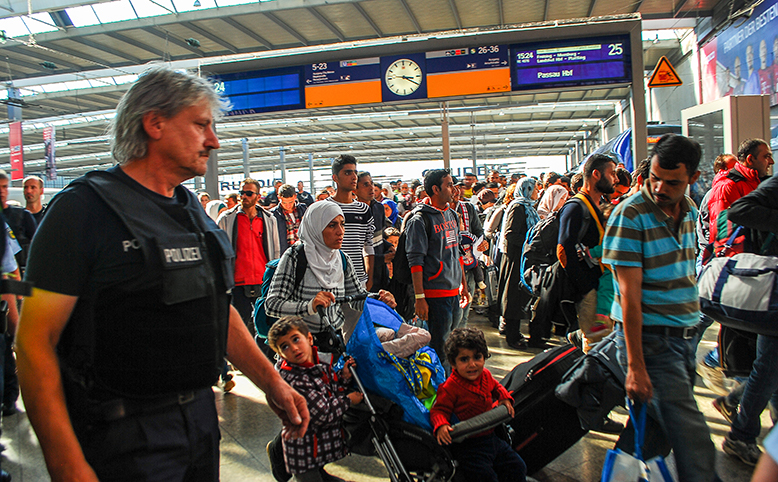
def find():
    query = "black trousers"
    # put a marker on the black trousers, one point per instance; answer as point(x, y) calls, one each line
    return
point(180, 442)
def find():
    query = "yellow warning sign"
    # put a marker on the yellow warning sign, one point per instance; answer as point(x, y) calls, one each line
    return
point(664, 75)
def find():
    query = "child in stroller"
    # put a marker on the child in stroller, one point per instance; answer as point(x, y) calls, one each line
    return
point(468, 392)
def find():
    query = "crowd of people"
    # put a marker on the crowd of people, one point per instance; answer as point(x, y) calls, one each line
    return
point(134, 318)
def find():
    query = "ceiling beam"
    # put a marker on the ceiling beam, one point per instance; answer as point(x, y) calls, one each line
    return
point(42, 54)
point(411, 15)
point(332, 28)
point(108, 50)
point(294, 33)
point(678, 7)
point(248, 32)
point(213, 38)
point(82, 56)
point(135, 43)
point(166, 36)
point(21, 63)
point(545, 11)
point(638, 4)
point(455, 12)
point(368, 19)
point(591, 8)
point(500, 10)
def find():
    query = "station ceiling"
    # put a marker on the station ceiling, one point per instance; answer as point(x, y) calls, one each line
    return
point(96, 63)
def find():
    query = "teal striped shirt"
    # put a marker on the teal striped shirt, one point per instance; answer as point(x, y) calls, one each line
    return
point(640, 234)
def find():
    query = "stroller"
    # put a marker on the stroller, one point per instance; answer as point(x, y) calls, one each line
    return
point(392, 423)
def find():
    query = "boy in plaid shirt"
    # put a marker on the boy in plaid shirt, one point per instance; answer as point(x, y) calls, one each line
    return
point(325, 393)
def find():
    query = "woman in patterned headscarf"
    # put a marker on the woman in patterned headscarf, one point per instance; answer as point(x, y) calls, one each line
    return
point(520, 217)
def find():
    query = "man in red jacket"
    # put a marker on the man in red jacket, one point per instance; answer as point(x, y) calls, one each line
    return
point(754, 160)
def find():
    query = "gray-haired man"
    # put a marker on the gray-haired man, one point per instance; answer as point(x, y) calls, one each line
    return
point(130, 318)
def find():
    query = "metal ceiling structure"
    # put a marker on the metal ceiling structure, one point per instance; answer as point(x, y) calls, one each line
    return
point(96, 61)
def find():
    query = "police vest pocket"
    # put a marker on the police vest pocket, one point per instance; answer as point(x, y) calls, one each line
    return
point(223, 255)
point(185, 276)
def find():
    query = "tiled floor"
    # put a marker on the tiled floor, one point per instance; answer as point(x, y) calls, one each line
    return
point(248, 424)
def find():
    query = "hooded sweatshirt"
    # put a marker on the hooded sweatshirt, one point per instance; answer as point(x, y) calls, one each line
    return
point(438, 257)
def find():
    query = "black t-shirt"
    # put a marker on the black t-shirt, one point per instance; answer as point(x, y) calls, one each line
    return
point(82, 246)
point(39, 215)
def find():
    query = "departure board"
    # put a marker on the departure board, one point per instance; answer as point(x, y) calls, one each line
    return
point(468, 70)
point(262, 90)
point(598, 60)
point(345, 82)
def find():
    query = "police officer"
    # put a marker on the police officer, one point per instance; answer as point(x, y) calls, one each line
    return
point(130, 318)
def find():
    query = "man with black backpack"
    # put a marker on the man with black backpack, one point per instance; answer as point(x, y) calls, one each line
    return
point(581, 226)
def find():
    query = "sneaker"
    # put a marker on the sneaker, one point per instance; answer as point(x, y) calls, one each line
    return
point(725, 409)
point(712, 377)
point(228, 385)
point(328, 477)
point(747, 453)
point(279, 473)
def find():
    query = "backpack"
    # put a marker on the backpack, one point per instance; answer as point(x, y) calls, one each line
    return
point(263, 322)
point(540, 244)
point(401, 271)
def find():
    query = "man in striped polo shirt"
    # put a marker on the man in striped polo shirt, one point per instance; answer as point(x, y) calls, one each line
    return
point(358, 238)
point(650, 242)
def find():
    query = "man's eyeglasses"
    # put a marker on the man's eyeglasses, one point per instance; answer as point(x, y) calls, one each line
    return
point(246, 193)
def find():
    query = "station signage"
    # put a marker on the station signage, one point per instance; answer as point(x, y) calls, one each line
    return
point(467, 70)
point(579, 62)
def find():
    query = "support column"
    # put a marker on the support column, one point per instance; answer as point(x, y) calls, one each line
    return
point(282, 154)
point(444, 135)
point(212, 176)
point(244, 144)
point(638, 100)
point(310, 174)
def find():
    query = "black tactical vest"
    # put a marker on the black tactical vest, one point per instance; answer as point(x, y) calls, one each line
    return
point(145, 339)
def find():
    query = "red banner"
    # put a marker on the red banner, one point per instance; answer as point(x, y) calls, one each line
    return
point(17, 160)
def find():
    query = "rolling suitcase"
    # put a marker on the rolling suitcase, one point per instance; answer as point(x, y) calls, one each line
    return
point(543, 426)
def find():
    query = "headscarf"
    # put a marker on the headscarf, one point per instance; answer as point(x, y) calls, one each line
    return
point(393, 206)
point(523, 196)
point(550, 199)
point(324, 261)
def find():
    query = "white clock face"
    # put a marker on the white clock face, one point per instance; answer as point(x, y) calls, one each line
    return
point(403, 77)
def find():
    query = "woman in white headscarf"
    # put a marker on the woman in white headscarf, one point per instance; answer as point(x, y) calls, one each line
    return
point(329, 277)
point(553, 199)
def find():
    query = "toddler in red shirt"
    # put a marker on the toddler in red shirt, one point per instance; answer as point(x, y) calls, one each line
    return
point(471, 390)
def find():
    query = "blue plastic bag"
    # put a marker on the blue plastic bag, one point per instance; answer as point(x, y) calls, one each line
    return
point(623, 467)
point(378, 374)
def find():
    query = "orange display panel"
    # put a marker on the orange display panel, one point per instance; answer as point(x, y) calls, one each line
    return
point(351, 93)
point(471, 82)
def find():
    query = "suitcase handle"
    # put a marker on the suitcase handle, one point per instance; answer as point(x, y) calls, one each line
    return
point(480, 423)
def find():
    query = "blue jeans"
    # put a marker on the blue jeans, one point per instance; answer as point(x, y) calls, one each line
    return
point(760, 388)
point(470, 277)
point(670, 363)
point(443, 314)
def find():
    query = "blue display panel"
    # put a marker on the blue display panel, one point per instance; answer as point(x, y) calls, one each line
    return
point(343, 71)
point(467, 58)
point(562, 63)
point(262, 90)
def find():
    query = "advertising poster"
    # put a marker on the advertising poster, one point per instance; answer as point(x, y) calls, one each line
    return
point(15, 142)
point(743, 59)
point(49, 139)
